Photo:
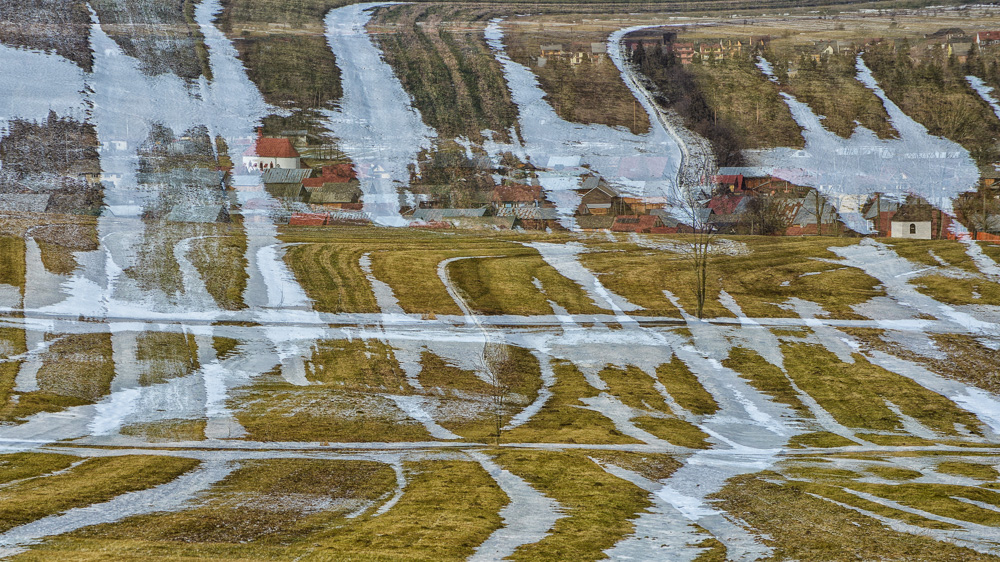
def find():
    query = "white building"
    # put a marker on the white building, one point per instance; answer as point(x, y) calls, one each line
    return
point(269, 153)
point(920, 230)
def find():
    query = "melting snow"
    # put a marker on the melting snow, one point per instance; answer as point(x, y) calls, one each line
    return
point(847, 171)
point(376, 123)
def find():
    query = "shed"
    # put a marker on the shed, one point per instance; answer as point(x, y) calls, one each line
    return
point(335, 195)
point(284, 175)
point(590, 223)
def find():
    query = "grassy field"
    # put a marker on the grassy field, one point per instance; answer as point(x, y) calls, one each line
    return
point(327, 266)
point(965, 358)
point(857, 394)
point(77, 369)
point(12, 261)
point(165, 355)
point(217, 250)
point(802, 525)
point(564, 420)
point(592, 499)
point(93, 481)
point(759, 281)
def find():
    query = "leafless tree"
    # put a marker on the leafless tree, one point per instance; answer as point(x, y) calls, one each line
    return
point(768, 215)
point(977, 210)
point(699, 245)
point(504, 378)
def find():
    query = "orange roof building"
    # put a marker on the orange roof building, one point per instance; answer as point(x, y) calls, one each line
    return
point(268, 152)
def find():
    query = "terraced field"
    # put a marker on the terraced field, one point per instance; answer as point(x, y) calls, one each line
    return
point(252, 390)
point(461, 374)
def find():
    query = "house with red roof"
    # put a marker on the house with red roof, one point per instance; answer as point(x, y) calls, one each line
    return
point(636, 223)
point(987, 38)
point(267, 152)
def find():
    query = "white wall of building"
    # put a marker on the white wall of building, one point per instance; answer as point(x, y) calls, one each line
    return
point(920, 230)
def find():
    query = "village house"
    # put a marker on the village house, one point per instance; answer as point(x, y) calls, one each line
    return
point(644, 205)
point(594, 223)
point(551, 50)
point(726, 212)
point(959, 49)
point(337, 187)
point(879, 214)
point(515, 195)
point(286, 184)
point(642, 224)
point(824, 49)
point(984, 38)
point(684, 52)
point(919, 230)
point(599, 198)
point(811, 215)
point(267, 153)
point(917, 219)
point(728, 183)
point(526, 204)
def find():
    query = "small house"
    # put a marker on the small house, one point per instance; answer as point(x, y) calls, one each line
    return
point(336, 196)
point(599, 198)
point(514, 195)
point(919, 230)
point(987, 38)
point(286, 184)
point(267, 153)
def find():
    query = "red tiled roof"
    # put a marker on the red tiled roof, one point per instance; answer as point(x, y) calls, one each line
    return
point(267, 147)
point(736, 180)
point(635, 223)
point(724, 205)
point(988, 36)
point(313, 182)
point(339, 173)
point(517, 193)
point(308, 219)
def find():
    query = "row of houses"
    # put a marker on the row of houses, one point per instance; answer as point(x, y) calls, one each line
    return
point(798, 211)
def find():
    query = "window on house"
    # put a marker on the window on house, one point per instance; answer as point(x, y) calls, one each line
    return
point(913, 229)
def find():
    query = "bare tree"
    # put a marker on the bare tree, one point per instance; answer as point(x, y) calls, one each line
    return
point(768, 215)
point(699, 245)
point(504, 378)
point(977, 210)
